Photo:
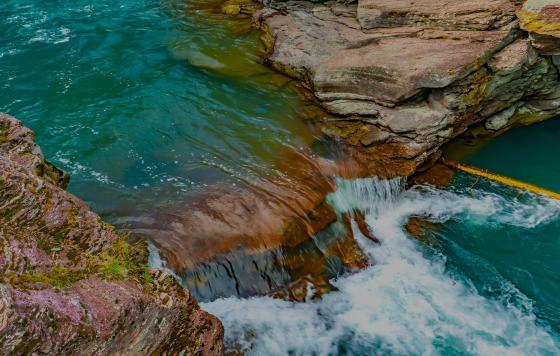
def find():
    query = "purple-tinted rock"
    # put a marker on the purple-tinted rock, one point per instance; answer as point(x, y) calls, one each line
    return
point(70, 284)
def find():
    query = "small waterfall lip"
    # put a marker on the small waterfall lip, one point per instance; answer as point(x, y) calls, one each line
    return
point(155, 261)
point(406, 303)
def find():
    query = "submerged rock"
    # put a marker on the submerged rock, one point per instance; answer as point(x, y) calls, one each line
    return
point(397, 80)
point(401, 78)
point(254, 217)
point(200, 60)
point(69, 283)
point(261, 236)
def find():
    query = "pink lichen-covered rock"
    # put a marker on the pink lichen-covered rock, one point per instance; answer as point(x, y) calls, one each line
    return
point(69, 282)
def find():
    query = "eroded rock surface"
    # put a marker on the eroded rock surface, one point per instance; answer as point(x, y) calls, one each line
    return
point(397, 80)
point(401, 78)
point(69, 283)
point(541, 18)
point(451, 15)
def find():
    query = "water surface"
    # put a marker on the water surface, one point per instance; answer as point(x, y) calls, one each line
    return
point(143, 101)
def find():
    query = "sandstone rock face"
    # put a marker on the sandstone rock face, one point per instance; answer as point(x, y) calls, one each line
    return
point(401, 78)
point(541, 18)
point(450, 15)
point(69, 283)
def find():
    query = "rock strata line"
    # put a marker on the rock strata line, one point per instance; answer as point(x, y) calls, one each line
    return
point(401, 78)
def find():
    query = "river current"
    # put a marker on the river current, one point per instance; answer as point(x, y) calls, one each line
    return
point(146, 103)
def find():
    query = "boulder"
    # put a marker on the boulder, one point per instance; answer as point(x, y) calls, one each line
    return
point(478, 15)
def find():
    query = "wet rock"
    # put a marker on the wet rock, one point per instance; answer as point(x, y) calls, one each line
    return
point(69, 283)
point(359, 219)
point(235, 7)
point(439, 175)
point(422, 230)
point(401, 78)
point(257, 216)
point(329, 254)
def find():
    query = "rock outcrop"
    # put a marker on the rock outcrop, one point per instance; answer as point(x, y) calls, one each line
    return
point(69, 283)
point(401, 78)
point(256, 237)
point(541, 18)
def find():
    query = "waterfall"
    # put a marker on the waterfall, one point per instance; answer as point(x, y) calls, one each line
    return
point(406, 302)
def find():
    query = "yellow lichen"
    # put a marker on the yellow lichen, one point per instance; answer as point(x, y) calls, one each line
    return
point(231, 9)
point(530, 21)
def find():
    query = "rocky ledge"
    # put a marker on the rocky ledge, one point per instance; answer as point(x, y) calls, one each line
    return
point(69, 283)
point(400, 78)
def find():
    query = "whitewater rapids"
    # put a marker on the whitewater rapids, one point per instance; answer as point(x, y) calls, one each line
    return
point(406, 302)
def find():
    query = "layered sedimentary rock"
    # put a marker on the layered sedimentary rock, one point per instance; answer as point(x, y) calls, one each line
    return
point(69, 283)
point(477, 15)
point(401, 78)
point(256, 216)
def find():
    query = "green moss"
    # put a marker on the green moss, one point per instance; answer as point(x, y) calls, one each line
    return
point(51, 174)
point(27, 346)
point(60, 234)
point(58, 276)
point(3, 132)
point(184, 314)
point(119, 263)
point(10, 213)
point(113, 268)
point(147, 277)
point(114, 263)
point(86, 333)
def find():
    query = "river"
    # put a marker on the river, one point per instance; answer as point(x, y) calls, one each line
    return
point(147, 103)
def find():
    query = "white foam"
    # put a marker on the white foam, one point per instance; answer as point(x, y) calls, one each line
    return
point(76, 168)
point(405, 303)
point(155, 261)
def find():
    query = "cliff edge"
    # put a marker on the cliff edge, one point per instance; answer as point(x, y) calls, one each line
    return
point(69, 283)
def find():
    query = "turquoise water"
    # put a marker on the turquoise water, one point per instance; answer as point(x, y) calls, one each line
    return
point(147, 102)
point(143, 101)
point(527, 256)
